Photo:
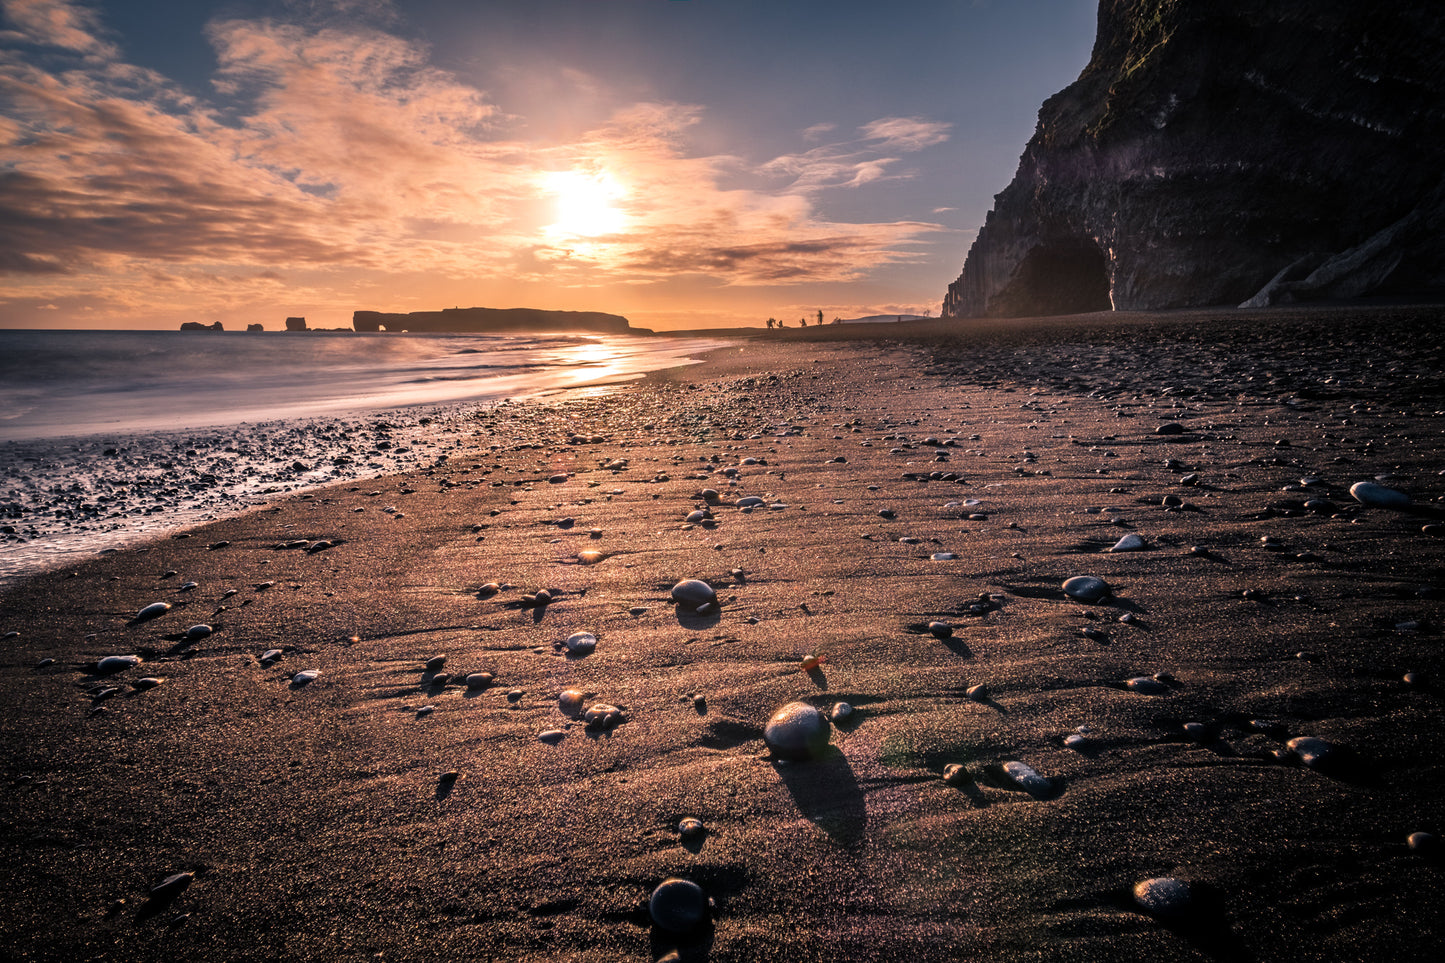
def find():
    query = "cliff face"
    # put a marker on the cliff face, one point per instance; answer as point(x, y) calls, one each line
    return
point(487, 320)
point(1226, 152)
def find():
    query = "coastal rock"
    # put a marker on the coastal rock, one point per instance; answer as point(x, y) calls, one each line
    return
point(1223, 153)
point(490, 320)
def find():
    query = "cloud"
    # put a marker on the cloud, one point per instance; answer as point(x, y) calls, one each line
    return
point(55, 23)
point(334, 150)
point(905, 133)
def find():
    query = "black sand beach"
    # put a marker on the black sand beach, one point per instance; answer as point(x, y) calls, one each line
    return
point(387, 810)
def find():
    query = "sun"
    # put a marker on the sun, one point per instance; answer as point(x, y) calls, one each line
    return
point(585, 203)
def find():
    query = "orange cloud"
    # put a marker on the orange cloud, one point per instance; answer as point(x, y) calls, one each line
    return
point(329, 151)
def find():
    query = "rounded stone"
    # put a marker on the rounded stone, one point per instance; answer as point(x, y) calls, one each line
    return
point(690, 827)
point(1314, 752)
point(797, 731)
point(1129, 543)
point(1145, 685)
point(479, 680)
point(197, 632)
point(841, 712)
point(116, 663)
point(940, 630)
point(693, 593)
point(154, 610)
point(1163, 896)
point(1378, 496)
point(678, 905)
point(571, 701)
point(1087, 588)
point(1423, 842)
point(581, 643)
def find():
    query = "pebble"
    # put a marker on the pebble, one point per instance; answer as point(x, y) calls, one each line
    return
point(1076, 741)
point(841, 712)
point(602, 716)
point(940, 630)
point(270, 655)
point(1378, 496)
point(1129, 543)
point(306, 676)
point(154, 610)
point(1423, 842)
point(197, 632)
point(943, 556)
point(1314, 752)
point(590, 556)
point(116, 663)
point(690, 828)
point(956, 775)
point(978, 693)
point(149, 682)
point(552, 736)
point(435, 662)
point(479, 680)
point(1087, 588)
point(488, 590)
point(570, 702)
point(797, 731)
point(1163, 896)
point(1145, 685)
point(1027, 779)
point(693, 593)
point(678, 905)
point(581, 643)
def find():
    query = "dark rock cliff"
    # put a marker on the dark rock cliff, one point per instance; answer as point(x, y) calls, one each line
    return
point(484, 320)
point(1223, 152)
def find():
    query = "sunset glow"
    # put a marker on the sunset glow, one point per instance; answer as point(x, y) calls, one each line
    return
point(682, 164)
point(586, 204)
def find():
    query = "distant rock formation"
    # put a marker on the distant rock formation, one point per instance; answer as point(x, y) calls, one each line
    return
point(485, 320)
point(1226, 152)
point(254, 327)
point(198, 326)
point(296, 324)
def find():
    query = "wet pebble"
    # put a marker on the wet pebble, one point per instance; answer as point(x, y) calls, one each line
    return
point(690, 828)
point(797, 731)
point(841, 712)
point(479, 680)
point(197, 632)
point(306, 676)
point(270, 655)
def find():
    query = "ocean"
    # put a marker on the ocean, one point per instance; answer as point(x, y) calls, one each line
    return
point(108, 437)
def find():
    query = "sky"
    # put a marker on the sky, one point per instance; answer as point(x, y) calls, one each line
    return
point(685, 163)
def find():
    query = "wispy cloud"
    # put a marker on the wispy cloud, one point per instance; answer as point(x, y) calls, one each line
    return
point(337, 149)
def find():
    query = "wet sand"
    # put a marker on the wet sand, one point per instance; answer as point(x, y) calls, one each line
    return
point(317, 821)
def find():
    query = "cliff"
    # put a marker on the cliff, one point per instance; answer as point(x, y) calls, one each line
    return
point(487, 320)
point(1227, 152)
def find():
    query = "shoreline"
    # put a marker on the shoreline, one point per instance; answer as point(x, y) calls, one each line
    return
point(900, 484)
